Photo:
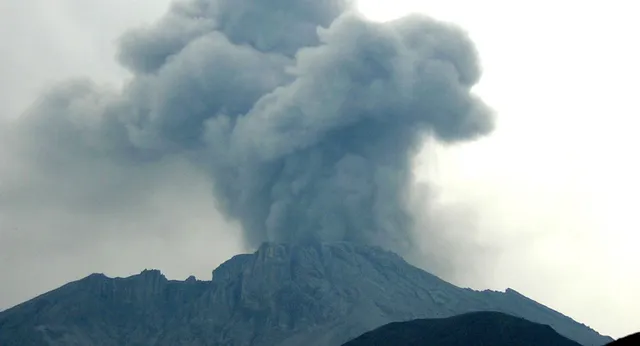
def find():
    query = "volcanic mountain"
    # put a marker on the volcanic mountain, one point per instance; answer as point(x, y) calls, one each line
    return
point(313, 295)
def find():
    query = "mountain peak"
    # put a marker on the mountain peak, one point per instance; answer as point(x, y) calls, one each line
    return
point(315, 294)
point(151, 273)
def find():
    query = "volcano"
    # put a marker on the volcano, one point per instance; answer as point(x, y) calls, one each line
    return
point(283, 294)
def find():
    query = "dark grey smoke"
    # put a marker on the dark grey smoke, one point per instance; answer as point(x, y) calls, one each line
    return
point(306, 115)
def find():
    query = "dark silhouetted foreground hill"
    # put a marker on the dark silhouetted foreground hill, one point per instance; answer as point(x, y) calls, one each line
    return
point(286, 295)
point(629, 340)
point(471, 329)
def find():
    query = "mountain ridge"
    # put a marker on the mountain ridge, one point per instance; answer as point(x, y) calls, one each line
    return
point(470, 329)
point(283, 294)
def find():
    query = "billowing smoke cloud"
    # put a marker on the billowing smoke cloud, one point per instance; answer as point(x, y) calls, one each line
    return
point(305, 115)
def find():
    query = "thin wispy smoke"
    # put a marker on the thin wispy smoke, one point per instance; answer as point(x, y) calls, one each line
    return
point(304, 115)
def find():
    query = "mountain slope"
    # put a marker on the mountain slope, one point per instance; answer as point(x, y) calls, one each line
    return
point(629, 340)
point(281, 295)
point(471, 329)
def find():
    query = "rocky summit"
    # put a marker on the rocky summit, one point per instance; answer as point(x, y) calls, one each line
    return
point(286, 295)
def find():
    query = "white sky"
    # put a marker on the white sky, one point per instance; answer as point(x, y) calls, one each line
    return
point(555, 185)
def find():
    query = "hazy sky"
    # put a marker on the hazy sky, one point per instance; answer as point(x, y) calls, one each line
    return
point(551, 191)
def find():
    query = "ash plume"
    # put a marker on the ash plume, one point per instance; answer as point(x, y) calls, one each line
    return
point(305, 115)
